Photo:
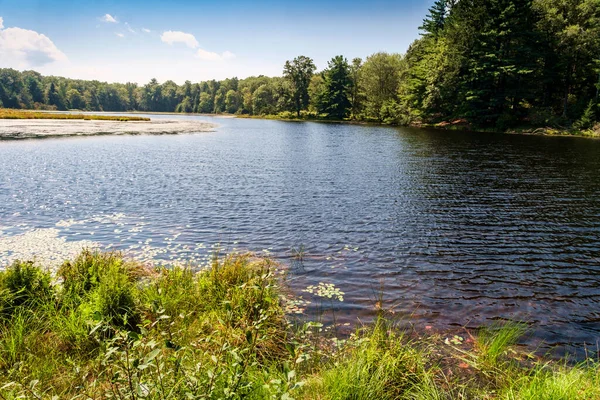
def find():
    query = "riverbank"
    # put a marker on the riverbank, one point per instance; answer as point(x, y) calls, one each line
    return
point(444, 126)
point(108, 327)
point(6, 113)
point(10, 114)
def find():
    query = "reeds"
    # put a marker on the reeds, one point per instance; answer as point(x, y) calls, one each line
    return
point(7, 113)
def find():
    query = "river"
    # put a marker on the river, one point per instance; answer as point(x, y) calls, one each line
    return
point(449, 229)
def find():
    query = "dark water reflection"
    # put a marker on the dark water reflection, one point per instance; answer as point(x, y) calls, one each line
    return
point(452, 228)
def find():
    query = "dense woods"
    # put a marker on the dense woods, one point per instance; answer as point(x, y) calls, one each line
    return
point(489, 63)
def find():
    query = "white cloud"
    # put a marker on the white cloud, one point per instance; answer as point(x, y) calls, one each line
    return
point(171, 37)
point(130, 29)
point(146, 30)
point(211, 56)
point(23, 48)
point(120, 35)
point(109, 18)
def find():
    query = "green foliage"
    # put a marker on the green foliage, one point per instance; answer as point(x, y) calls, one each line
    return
point(379, 82)
point(114, 329)
point(494, 341)
point(378, 365)
point(115, 298)
point(436, 19)
point(567, 383)
point(333, 99)
point(23, 284)
point(298, 73)
point(6, 113)
point(54, 97)
point(14, 338)
point(504, 63)
point(101, 285)
point(589, 117)
point(90, 268)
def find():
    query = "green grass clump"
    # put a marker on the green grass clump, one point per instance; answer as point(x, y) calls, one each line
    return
point(110, 328)
point(493, 341)
point(563, 383)
point(23, 285)
point(377, 365)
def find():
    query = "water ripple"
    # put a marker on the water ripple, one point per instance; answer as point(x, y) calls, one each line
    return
point(451, 228)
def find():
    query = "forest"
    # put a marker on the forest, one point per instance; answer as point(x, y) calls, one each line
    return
point(496, 64)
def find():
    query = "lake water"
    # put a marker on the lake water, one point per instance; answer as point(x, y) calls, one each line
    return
point(451, 229)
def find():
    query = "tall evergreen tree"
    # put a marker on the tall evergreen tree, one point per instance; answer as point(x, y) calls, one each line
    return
point(436, 19)
point(54, 97)
point(356, 97)
point(498, 50)
point(337, 83)
point(571, 29)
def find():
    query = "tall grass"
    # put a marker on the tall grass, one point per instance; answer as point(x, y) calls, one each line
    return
point(493, 341)
point(377, 365)
point(6, 113)
point(105, 327)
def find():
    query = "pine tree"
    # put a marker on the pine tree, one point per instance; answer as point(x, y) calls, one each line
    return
point(334, 99)
point(434, 22)
point(54, 97)
point(499, 58)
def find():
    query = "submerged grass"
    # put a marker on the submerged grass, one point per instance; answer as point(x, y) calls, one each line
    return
point(105, 327)
point(6, 113)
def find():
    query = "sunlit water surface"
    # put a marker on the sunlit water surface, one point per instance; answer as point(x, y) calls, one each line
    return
point(450, 229)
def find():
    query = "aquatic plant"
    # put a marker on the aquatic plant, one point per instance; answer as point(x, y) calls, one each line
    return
point(325, 290)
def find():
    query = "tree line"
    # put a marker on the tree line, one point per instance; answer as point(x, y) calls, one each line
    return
point(488, 63)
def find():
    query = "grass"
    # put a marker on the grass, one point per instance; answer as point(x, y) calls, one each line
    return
point(105, 327)
point(6, 113)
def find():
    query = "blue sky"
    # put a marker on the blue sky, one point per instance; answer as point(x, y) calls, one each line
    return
point(196, 40)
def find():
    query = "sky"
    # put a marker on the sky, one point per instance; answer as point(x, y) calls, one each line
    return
point(135, 41)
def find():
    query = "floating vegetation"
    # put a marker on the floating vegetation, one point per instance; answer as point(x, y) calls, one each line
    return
point(326, 290)
point(294, 305)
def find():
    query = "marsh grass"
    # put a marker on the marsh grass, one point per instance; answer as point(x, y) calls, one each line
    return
point(7, 113)
point(494, 341)
point(105, 327)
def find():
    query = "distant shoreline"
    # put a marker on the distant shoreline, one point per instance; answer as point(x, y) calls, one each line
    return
point(447, 126)
point(539, 131)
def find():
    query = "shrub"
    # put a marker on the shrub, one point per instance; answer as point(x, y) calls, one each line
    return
point(115, 298)
point(87, 271)
point(23, 284)
point(588, 118)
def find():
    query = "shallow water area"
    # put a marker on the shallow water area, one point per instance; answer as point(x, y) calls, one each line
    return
point(449, 229)
point(43, 128)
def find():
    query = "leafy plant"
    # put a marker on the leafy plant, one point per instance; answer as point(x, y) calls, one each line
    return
point(23, 284)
